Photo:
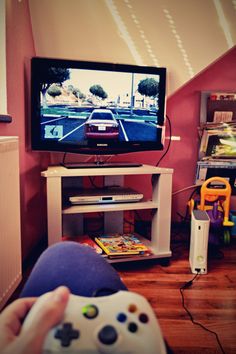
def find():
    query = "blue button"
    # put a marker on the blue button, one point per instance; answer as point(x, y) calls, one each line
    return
point(121, 317)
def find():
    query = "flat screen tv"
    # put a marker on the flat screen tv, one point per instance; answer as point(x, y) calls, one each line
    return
point(96, 108)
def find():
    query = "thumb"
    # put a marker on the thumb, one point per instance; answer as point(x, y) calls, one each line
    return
point(47, 312)
point(50, 310)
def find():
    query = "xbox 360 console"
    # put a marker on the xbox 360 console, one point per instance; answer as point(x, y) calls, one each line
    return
point(123, 322)
point(200, 224)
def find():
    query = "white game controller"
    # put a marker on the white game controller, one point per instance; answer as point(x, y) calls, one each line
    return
point(123, 322)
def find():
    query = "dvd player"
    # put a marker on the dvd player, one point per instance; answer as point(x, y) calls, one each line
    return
point(105, 195)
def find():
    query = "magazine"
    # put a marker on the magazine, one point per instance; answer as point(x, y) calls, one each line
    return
point(121, 245)
point(218, 144)
point(222, 146)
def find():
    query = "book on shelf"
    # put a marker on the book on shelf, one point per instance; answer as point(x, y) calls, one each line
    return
point(122, 245)
point(221, 107)
point(85, 240)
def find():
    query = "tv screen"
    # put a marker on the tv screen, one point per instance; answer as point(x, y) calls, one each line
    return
point(96, 108)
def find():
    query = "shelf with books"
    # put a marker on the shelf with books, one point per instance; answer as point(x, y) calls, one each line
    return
point(64, 219)
point(217, 132)
point(217, 106)
point(90, 241)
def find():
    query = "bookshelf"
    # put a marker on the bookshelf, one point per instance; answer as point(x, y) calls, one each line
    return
point(217, 156)
point(62, 218)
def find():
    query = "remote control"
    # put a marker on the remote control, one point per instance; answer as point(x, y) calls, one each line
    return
point(123, 322)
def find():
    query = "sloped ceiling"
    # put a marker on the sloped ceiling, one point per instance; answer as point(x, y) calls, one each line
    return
point(185, 36)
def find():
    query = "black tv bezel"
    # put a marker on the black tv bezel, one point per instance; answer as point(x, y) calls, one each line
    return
point(37, 144)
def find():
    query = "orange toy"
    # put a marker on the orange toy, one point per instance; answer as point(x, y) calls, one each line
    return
point(213, 194)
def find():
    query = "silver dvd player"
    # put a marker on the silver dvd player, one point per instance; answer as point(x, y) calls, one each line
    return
point(105, 195)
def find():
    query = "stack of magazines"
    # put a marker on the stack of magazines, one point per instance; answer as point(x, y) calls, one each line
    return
point(125, 245)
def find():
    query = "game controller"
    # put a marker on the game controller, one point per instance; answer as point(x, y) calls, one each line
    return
point(123, 322)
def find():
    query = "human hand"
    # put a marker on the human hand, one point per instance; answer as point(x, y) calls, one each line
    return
point(16, 338)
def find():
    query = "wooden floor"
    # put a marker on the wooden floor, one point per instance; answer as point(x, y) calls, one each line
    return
point(211, 299)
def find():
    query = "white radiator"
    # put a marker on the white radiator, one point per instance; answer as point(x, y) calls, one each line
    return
point(10, 236)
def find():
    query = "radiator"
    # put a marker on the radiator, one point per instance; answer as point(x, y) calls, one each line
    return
point(10, 235)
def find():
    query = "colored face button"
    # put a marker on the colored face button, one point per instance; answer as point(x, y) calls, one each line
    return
point(132, 327)
point(132, 308)
point(143, 318)
point(121, 317)
point(90, 311)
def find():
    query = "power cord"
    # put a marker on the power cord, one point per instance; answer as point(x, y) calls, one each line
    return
point(185, 286)
point(168, 146)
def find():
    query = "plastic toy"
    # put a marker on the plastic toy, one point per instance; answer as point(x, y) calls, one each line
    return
point(216, 202)
point(214, 194)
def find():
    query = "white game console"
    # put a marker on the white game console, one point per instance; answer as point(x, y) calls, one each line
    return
point(200, 224)
point(123, 322)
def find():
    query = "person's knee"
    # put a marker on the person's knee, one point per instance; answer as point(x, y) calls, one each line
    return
point(67, 247)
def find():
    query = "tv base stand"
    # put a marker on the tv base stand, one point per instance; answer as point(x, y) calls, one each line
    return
point(60, 215)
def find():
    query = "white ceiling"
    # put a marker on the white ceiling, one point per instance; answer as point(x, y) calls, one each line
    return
point(185, 36)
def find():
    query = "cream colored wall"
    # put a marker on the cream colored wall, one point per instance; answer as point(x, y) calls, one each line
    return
point(183, 35)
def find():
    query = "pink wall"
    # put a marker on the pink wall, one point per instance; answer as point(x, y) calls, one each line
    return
point(20, 48)
point(182, 109)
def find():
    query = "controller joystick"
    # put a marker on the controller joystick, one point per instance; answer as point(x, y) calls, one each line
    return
point(123, 322)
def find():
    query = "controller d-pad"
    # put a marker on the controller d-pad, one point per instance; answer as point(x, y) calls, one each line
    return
point(66, 334)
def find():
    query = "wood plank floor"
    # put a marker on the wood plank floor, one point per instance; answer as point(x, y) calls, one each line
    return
point(211, 299)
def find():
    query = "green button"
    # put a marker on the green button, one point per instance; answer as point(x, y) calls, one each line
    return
point(90, 311)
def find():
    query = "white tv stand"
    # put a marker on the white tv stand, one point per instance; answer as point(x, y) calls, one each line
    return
point(59, 178)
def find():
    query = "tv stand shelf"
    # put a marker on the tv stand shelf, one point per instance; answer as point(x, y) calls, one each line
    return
point(160, 203)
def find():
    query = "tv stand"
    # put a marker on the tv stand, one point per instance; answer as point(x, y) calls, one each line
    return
point(64, 219)
point(99, 164)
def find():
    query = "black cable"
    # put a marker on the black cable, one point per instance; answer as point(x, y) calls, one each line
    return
point(168, 146)
point(185, 286)
point(185, 218)
point(92, 182)
point(64, 157)
point(196, 189)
